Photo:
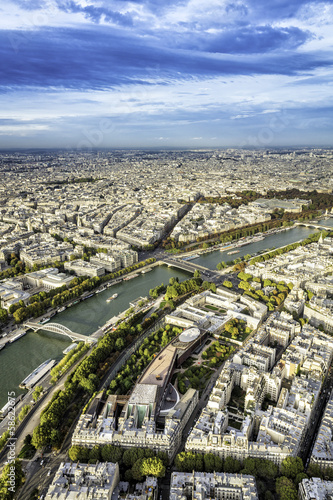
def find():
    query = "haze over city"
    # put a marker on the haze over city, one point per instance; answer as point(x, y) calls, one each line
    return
point(146, 74)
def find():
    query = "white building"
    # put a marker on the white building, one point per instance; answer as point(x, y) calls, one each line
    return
point(203, 485)
point(84, 481)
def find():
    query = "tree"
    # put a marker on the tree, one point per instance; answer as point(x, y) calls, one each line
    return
point(3, 315)
point(152, 467)
point(137, 470)
point(300, 476)
point(227, 284)
point(41, 435)
point(291, 466)
point(95, 454)
point(111, 453)
point(285, 489)
point(120, 344)
point(78, 453)
point(10, 480)
point(212, 463)
point(24, 412)
point(37, 392)
point(232, 465)
point(131, 456)
point(196, 274)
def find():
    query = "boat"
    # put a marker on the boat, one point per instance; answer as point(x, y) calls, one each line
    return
point(70, 348)
point(101, 290)
point(2, 346)
point(61, 309)
point(87, 296)
point(114, 296)
point(233, 251)
point(17, 336)
point(131, 277)
point(144, 271)
point(192, 257)
point(45, 320)
point(10, 405)
point(257, 238)
point(119, 280)
point(37, 374)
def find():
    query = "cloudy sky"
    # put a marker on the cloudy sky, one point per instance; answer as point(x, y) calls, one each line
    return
point(192, 73)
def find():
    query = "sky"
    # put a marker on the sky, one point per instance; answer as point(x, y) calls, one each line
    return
point(150, 73)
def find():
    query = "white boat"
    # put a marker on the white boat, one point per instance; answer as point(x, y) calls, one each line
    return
point(45, 320)
point(37, 374)
point(144, 271)
point(127, 278)
point(17, 336)
point(61, 309)
point(70, 348)
point(114, 296)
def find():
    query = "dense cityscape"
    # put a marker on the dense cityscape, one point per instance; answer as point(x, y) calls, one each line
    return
point(179, 304)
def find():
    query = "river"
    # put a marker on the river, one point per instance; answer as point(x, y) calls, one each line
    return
point(210, 260)
point(17, 360)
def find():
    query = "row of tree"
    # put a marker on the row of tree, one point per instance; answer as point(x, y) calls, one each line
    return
point(270, 478)
point(134, 463)
point(68, 360)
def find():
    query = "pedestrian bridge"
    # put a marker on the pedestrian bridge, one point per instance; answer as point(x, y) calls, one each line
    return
point(61, 330)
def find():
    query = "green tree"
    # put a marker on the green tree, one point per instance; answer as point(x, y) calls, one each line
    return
point(78, 453)
point(41, 435)
point(11, 479)
point(291, 466)
point(137, 470)
point(3, 315)
point(24, 412)
point(153, 467)
point(212, 463)
point(227, 284)
point(232, 465)
point(111, 453)
point(285, 489)
point(37, 392)
point(196, 274)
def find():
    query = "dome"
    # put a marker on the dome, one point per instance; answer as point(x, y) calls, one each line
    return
point(189, 335)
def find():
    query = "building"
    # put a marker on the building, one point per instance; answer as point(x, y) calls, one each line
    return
point(315, 489)
point(83, 268)
point(84, 481)
point(203, 485)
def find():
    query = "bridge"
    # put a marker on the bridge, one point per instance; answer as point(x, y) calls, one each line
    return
point(315, 226)
point(188, 266)
point(60, 329)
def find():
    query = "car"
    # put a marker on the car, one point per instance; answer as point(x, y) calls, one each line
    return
point(49, 472)
point(42, 462)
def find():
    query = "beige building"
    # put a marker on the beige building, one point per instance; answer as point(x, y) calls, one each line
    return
point(84, 481)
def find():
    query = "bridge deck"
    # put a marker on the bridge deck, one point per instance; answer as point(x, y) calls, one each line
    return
point(60, 329)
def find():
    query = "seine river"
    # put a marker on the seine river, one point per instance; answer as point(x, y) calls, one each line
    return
point(211, 260)
point(17, 360)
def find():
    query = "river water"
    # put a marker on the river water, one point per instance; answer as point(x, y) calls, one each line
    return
point(211, 260)
point(17, 360)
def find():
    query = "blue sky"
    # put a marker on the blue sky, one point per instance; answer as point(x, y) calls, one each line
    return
point(144, 73)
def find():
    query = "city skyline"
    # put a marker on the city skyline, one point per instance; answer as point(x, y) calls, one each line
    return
point(143, 74)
